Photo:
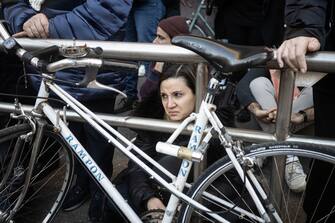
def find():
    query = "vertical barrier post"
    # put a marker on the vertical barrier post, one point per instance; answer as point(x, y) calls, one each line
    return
point(201, 84)
point(287, 82)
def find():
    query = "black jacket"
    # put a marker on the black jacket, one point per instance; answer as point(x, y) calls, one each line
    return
point(306, 18)
point(270, 14)
point(140, 186)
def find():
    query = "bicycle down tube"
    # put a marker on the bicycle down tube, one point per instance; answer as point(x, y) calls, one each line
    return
point(93, 168)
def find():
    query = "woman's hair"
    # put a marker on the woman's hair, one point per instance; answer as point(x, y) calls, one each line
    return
point(185, 71)
point(151, 106)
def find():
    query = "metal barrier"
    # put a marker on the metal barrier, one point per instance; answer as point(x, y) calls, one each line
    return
point(320, 61)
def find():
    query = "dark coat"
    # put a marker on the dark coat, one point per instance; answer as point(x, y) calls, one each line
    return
point(140, 186)
point(270, 22)
point(306, 18)
point(90, 20)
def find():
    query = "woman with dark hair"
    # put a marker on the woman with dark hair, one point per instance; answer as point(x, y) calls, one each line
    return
point(174, 100)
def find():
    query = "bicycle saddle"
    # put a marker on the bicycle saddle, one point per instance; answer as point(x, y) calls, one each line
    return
point(223, 56)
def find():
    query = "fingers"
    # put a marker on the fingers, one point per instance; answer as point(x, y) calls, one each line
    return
point(286, 55)
point(42, 27)
point(280, 53)
point(300, 58)
point(20, 34)
point(292, 52)
point(37, 26)
point(289, 56)
point(273, 116)
point(35, 29)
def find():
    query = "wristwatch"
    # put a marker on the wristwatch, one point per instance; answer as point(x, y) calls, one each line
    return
point(304, 114)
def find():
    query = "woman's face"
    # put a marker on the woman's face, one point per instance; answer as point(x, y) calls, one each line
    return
point(177, 98)
point(161, 37)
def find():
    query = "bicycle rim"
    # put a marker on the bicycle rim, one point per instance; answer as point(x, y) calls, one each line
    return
point(220, 184)
point(50, 180)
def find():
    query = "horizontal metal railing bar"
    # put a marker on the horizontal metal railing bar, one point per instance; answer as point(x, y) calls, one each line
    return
point(322, 61)
point(151, 124)
point(121, 50)
point(166, 126)
point(313, 140)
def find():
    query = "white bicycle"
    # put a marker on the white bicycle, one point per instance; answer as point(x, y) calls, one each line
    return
point(37, 165)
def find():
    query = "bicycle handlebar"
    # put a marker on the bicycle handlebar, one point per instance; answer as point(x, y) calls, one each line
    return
point(33, 58)
point(88, 62)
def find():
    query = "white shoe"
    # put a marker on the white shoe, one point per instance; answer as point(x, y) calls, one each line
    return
point(259, 161)
point(294, 175)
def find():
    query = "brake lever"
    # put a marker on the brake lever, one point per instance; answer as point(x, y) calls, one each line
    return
point(90, 81)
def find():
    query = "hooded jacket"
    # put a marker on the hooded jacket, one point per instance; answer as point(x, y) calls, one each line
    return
point(88, 20)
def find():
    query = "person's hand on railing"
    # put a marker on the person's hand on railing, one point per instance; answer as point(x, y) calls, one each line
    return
point(35, 27)
point(292, 52)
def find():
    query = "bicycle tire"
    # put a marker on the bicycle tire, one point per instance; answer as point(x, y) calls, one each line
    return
point(216, 179)
point(51, 179)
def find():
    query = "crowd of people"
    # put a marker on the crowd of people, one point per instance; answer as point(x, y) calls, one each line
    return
point(168, 91)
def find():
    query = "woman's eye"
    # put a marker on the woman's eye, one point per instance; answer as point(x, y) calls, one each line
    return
point(178, 94)
point(160, 37)
point(163, 96)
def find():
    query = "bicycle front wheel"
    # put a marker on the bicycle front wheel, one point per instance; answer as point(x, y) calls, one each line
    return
point(50, 180)
point(221, 189)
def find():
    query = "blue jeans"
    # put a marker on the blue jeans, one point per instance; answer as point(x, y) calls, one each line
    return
point(141, 27)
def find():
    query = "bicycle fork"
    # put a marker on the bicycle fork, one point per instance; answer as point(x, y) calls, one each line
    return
point(227, 142)
point(18, 172)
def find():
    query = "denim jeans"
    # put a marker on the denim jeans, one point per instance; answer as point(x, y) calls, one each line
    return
point(141, 27)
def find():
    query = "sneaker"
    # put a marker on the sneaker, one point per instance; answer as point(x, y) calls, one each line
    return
point(75, 198)
point(96, 209)
point(126, 104)
point(294, 175)
point(259, 161)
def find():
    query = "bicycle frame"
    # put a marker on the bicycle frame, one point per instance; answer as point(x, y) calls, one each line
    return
point(205, 115)
point(87, 160)
point(179, 182)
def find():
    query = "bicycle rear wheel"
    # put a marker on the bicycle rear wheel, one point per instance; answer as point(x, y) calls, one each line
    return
point(220, 183)
point(50, 179)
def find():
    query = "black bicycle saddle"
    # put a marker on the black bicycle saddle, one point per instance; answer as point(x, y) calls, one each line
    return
point(224, 56)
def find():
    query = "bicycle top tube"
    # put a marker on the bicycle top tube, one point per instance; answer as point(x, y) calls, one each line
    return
point(223, 56)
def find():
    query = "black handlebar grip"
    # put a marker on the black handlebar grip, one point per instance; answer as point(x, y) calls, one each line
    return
point(39, 54)
point(46, 52)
